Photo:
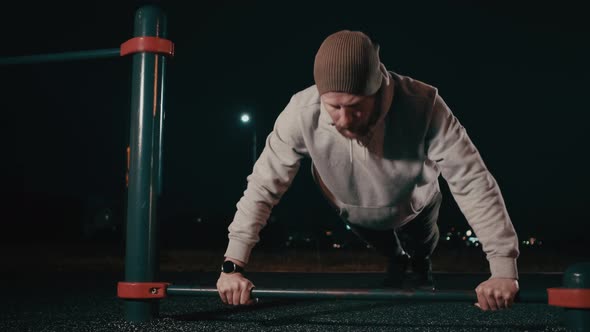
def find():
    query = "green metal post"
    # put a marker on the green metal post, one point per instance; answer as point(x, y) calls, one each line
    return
point(577, 276)
point(140, 258)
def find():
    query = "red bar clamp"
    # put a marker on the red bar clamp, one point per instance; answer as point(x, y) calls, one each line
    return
point(142, 290)
point(569, 297)
point(148, 44)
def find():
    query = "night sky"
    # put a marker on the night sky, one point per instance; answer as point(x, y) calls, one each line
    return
point(516, 78)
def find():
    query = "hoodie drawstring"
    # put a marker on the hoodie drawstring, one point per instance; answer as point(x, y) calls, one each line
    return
point(350, 150)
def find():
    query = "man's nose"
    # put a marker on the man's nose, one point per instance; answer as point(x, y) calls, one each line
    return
point(345, 119)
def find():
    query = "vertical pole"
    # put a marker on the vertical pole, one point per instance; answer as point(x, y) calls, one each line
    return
point(160, 115)
point(140, 257)
point(157, 159)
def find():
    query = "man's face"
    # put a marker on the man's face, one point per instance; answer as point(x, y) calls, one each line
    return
point(350, 114)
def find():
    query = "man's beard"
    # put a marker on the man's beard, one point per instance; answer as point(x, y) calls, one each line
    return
point(363, 130)
point(354, 132)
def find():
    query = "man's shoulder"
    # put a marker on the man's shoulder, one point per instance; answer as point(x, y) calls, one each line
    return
point(306, 98)
point(412, 87)
point(302, 109)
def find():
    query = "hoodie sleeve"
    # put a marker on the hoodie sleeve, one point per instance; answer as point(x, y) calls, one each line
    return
point(474, 189)
point(272, 175)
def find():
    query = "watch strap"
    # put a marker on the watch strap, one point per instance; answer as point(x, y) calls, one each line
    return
point(231, 267)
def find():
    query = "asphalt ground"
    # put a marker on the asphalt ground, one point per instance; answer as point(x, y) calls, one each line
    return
point(86, 301)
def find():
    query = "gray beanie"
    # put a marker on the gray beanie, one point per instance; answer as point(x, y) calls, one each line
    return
point(347, 61)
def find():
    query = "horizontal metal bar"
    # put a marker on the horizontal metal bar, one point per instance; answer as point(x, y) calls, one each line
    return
point(358, 294)
point(65, 56)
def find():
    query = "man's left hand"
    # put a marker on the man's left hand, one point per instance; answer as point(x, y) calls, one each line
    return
point(496, 294)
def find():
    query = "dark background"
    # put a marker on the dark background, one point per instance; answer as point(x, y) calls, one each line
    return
point(515, 76)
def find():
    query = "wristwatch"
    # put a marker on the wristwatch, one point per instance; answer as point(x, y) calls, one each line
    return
point(231, 267)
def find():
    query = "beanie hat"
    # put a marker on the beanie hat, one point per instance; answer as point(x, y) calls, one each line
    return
point(347, 61)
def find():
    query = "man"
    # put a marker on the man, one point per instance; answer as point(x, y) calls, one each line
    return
point(378, 143)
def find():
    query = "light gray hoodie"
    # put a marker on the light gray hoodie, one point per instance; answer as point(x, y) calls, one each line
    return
point(384, 181)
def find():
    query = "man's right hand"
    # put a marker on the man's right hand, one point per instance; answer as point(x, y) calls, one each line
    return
point(235, 289)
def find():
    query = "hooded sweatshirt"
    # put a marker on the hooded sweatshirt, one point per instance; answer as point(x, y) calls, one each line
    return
point(383, 180)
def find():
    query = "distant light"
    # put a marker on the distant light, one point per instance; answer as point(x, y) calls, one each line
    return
point(448, 238)
point(469, 232)
point(245, 118)
point(336, 245)
point(348, 227)
point(328, 233)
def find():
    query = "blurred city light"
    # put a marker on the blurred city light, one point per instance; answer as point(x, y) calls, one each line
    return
point(245, 118)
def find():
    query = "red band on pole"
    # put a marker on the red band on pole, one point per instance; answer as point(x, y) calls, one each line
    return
point(569, 297)
point(148, 44)
point(142, 290)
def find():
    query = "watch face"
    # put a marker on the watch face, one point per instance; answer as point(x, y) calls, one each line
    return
point(228, 267)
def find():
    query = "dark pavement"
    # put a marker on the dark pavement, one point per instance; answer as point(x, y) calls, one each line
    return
point(86, 301)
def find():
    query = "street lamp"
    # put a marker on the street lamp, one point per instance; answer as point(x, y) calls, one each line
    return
point(247, 119)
